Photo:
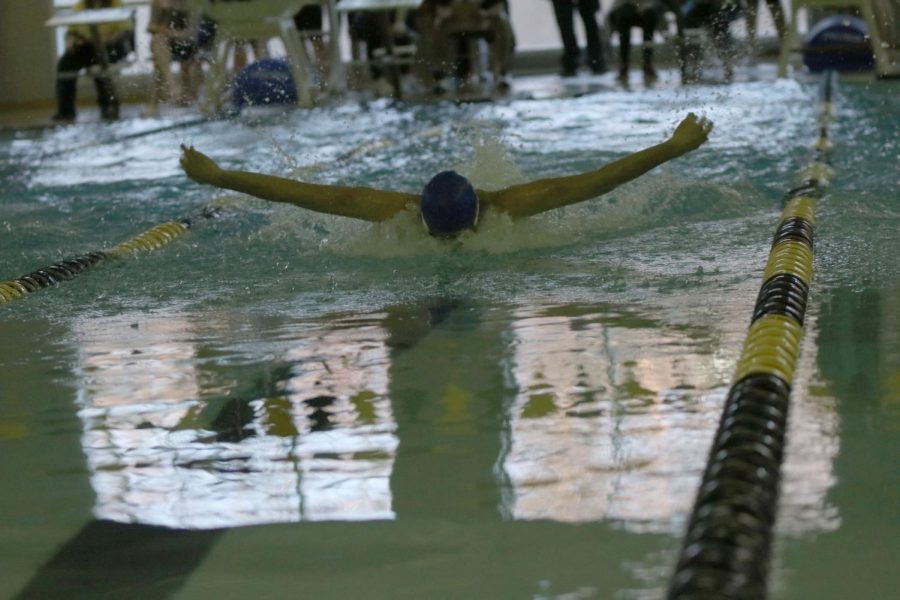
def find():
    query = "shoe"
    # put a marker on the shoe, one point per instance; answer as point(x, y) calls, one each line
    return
point(64, 119)
point(622, 77)
point(598, 69)
point(568, 72)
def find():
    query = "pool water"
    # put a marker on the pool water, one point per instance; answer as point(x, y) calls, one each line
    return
point(285, 404)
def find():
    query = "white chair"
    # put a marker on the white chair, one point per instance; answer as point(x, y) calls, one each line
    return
point(886, 62)
point(238, 21)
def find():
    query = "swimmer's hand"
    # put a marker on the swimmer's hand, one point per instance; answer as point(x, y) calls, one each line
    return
point(199, 167)
point(691, 133)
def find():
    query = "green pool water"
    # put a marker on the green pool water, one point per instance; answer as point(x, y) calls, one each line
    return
point(281, 404)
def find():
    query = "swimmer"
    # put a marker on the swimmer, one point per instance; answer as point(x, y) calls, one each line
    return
point(449, 204)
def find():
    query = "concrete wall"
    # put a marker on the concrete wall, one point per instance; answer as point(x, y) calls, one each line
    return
point(27, 53)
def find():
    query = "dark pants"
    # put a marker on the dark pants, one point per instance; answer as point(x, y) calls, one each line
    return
point(628, 16)
point(715, 15)
point(565, 20)
point(373, 29)
point(80, 56)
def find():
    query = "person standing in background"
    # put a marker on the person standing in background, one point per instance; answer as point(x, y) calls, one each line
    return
point(646, 15)
point(446, 27)
point(173, 29)
point(564, 10)
point(81, 51)
point(715, 16)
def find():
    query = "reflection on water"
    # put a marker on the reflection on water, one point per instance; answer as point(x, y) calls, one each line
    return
point(611, 421)
point(318, 445)
point(614, 417)
point(609, 417)
point(340, 424)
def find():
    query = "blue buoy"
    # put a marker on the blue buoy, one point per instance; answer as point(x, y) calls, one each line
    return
point(839, 43)
point(264, 83)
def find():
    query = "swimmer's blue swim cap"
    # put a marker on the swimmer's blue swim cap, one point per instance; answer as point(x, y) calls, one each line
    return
point(449, 204)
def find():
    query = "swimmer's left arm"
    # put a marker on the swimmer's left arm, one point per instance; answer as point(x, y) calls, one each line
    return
point(363, 203)
point(546, 194)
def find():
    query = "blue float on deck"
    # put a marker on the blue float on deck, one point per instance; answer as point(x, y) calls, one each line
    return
point(839, 43)
point(265, 82)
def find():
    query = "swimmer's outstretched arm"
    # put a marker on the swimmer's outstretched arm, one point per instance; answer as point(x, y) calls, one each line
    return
point(356, 202)
point(546, 194)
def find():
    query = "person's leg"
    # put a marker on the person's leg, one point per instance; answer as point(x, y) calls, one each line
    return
point(719, 27)
point(107, 97)
point(750, 18)
point(564, 12)
point(66, 87)
point(308, 21)
point(428, 70)
point(372, 30)
point(159, 58)
point(588, 10)
point(162, 63)
point(624, 18)
point(777, 16)
point(501, 49)
point(75, 58)
point(439, 51)
point(649, 22)
point(184, 52)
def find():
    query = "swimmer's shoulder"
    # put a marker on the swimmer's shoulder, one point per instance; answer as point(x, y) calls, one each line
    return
point(500, 201)
point(486, 198)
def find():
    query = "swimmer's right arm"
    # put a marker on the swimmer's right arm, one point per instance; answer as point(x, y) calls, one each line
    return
point(363, 203)
point(535, 197)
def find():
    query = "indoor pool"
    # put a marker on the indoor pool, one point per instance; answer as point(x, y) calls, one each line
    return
point(280, 404)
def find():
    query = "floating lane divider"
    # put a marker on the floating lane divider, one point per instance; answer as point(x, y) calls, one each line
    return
point(726, 550)
point(64, 270)
point(153, 238)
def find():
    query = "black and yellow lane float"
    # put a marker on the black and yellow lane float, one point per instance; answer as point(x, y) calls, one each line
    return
point(65, 270)
point(726, 550)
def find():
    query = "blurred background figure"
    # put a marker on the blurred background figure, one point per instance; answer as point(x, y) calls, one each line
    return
point(648, 16)
point(450, 37)
point(308, 21)
point(388, 39)
point(564, 10)
point(175, 37)
point(715, 17)
point(82, 51)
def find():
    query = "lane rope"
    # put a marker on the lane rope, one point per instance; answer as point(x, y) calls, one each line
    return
point(155, 237)
point(726, 549)
point(67, 269)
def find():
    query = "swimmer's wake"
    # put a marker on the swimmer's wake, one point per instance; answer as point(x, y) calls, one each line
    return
point(155, 237)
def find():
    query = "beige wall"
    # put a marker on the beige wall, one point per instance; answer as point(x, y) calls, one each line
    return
point(27, 52)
